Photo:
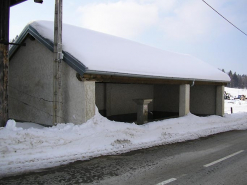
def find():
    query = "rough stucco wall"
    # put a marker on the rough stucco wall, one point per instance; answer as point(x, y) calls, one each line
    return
point(203, 100)
point(30, 84)
point(100, 95)
point(78, 97)
point(119, 97)
point(166, 98)
point(31, 88)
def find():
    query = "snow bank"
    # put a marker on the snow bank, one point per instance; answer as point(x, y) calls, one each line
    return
point(24, 150)
point(105, 53)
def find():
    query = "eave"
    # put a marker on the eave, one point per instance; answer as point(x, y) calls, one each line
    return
point(68, 58)
point(15, 2)
point(127, 79)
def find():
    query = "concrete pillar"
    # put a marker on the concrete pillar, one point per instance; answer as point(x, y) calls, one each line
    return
point(220, 100)
point(142, 110)
point(89, 87)
point(184, 100)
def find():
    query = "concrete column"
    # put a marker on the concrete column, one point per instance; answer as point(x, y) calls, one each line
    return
point(184, 100)
point(142, 110)
point(89, 87)
point(220, 100)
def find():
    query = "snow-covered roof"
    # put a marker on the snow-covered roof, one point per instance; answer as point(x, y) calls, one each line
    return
point(102, 53)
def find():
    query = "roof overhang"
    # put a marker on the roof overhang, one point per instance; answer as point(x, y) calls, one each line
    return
point(15, 2)
point(68, 58)
point(127, 79)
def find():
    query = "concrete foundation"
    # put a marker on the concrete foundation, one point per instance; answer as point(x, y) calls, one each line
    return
point(184, 99)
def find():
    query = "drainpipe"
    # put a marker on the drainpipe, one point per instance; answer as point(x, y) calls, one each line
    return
point(193, 83)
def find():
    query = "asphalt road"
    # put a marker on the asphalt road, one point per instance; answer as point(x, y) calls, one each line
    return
point(215, 160)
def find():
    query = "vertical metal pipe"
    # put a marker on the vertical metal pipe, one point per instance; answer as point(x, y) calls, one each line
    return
point(57, 64)
point(4, 60)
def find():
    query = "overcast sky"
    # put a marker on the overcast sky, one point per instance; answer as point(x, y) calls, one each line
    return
point(183, 26)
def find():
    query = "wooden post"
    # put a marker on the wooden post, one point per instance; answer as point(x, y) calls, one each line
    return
point(4, 60)
point(57, 64)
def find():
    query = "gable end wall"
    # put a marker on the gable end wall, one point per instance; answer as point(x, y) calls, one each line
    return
point(31, 87)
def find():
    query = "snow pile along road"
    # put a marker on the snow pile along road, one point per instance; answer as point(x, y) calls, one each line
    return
point(34, 148)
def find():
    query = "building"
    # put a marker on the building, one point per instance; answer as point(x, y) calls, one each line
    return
point(110, 72)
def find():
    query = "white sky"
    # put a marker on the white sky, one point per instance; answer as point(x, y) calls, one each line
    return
point(187, 26)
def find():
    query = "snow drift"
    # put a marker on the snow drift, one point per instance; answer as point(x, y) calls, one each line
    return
point(23, 150)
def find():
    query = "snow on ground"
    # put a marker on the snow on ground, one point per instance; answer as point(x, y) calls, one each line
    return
point(235, 92)
point(236, 104)
point(23, 150)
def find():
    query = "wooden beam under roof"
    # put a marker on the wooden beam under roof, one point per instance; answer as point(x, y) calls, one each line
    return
point(138, 80)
